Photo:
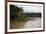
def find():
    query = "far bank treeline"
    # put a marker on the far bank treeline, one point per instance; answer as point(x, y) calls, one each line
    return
point(17, 13)
point(33, 14)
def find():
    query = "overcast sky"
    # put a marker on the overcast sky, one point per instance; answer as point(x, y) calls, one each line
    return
point(30, 8)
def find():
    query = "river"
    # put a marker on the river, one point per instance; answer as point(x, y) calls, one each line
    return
point(33, 23)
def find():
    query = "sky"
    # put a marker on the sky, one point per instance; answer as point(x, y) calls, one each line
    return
point(30, 8)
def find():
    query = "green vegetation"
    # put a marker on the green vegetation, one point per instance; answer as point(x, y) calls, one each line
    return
point(17, 17)
point(16, 13)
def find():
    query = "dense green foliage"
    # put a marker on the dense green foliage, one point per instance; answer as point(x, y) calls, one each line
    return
point(16, 13)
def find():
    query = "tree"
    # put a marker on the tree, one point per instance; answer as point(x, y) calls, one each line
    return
point(16, 13)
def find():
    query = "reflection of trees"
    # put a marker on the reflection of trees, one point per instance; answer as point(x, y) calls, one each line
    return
point(16, 13)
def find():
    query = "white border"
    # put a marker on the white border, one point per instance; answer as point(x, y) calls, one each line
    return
point(17, 30)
